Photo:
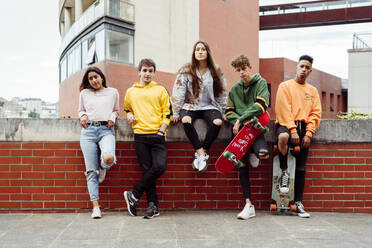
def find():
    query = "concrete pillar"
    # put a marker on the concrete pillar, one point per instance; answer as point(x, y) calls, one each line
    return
point(67, 13)
point(78, 9)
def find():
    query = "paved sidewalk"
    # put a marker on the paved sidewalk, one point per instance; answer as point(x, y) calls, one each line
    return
point(186, 229)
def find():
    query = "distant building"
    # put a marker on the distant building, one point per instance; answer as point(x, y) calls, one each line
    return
point(360, 76)
point(27, 108)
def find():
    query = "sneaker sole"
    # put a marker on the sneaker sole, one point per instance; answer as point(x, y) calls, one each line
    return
point(241, 218)
point(96, 217)
point(150, 217)
point(128, 205)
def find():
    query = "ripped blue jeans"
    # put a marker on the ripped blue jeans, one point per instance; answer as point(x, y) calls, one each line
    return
point(93, 138)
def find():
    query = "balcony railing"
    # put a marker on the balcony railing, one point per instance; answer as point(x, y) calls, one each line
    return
point(115, 8)
point(362, 40)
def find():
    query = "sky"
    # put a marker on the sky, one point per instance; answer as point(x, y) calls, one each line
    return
point(30, 41)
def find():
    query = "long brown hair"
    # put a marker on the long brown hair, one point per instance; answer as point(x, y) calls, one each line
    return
point(85, 82)
point(190, 68)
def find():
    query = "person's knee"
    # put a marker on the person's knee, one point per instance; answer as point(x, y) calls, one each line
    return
point(283, 138)
point(186, 119)
point(108, 158)
point(159, 170)
point(217, 122)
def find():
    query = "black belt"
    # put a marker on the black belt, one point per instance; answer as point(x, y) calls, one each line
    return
point(98, 123)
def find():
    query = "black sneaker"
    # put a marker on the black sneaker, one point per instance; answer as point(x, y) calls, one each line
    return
point(301, 210)
point(284, 183)
point(152, 211)
point(132, 202)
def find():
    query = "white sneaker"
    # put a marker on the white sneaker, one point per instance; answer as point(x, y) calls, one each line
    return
point(203, 159)
point(96, 213)
point(254, 160)
point(301, 210)
point(247, 212)
point(102, 175)
point(195, 163)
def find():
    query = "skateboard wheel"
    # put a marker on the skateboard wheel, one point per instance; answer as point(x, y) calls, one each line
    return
point(238, 164)
point(254, 121)
point(293, 208)
point(265, 130)
point(227, 154)
point(272, 207)
point(296, 149)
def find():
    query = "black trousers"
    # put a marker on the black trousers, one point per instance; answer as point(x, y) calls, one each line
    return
point(212, 132)
point(301, 158)
point(259, 144)
point(152, 156)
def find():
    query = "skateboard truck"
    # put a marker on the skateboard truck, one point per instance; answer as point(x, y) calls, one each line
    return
point(257, 125)
point(232, 157)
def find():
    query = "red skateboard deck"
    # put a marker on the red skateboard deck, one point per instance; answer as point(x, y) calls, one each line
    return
point(241, 143)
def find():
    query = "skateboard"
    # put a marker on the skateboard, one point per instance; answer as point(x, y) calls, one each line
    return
point(283, 200)
point(241, 143)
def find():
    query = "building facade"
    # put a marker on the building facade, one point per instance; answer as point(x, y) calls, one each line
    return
point(116, 34)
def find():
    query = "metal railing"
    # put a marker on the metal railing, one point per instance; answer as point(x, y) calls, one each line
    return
point(301, 6)
point(362, 40)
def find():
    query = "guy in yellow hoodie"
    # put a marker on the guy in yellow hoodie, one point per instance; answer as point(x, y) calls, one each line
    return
point(298, 112)
point(149, 111)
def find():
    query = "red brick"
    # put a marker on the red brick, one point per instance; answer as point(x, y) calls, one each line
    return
point(44, 153)
point(227, 204)
point(65, 197)
point(187, 204)
point(4, 153)
point(54, 175)
point(353, 175)
point(205, 204)
point(77, 189)
point(54, 190)
point(334, 161)
point(79, 204)
point(54, 204)
point(75, 160)
point(4, 167)
point(175, 197)
point(363, 153)
point(32, 175)
point(171, 182)
point(20, 197)
point(311, 160)
point(65, 153)
point(363, 196)
point(9, 145)
point(322, 197)
point(4, 197)
point(217, 197)
point(32, 205)
point(332, 204)
point(354, 204)
point(32, 190)
point(21, 153)
point(333, 174)
point(343, 197)
point(10, 205)
point(54, 145)
point(42, 197)
point(194, 197)
point(10, 175)
point(43, 182)
point(10, 160)
point(33, 145)
point(21, 182)
point(20, 167)
point(188, 190)
point(54, 160)
point(64, 182)
point(345, 167)
point(42, 167)
point(218, 183)
point(32, 160)
point(344, 154)
point(354, 161)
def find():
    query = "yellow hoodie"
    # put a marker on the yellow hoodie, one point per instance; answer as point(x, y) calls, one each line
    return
point(150, 105)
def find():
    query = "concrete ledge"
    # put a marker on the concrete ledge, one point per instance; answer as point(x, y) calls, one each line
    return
point(24, 130)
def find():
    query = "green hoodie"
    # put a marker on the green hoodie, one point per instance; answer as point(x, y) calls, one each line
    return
point(245, 102)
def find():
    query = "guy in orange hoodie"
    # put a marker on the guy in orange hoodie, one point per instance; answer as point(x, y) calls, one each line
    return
point(298, 113)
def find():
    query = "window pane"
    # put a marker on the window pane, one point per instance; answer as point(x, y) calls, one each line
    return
point(100, 45)
point(63, 69)
point(119, 47)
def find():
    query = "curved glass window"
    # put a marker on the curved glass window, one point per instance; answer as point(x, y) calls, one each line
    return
point(119, 47)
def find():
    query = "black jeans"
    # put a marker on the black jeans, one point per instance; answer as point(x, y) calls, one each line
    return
point(259, 144)
point(152, 156)
point(301, 159)
point(209, 116)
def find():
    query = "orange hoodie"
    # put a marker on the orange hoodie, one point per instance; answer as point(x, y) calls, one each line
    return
point(298, 102)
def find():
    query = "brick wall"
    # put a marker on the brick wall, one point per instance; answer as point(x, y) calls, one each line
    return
point(48, 176)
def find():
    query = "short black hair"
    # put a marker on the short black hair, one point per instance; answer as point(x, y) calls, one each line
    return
point(146, 62)
point(306, 57)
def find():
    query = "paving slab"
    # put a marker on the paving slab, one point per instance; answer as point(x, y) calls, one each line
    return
point(186, 230)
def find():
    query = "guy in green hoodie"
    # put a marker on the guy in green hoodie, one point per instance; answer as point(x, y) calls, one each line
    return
point(249, 97)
